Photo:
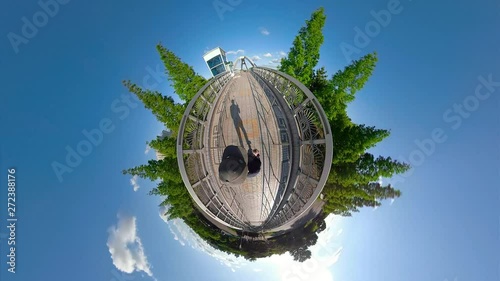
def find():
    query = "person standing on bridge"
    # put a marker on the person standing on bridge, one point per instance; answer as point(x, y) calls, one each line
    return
point(254, 163)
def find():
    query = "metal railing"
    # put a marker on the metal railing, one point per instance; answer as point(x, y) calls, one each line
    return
point(304, 138)
point(313, 142)
point(192, 155)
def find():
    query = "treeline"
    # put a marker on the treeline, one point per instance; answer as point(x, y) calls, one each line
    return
point(250, 245)
point(185, 82)
point(353, 180)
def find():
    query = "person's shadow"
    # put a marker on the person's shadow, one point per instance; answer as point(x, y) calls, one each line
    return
point(238, 123)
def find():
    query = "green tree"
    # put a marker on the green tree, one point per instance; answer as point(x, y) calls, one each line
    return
point(351, 186)
point(163, 107)
point(185, 81)
point(166, 146)
point(177, 199)
point(345, 199)
point(353, 169)
point(366, 169)
point(293, 64)
point(304, 54)
point(320, 86)
point(335, 94)
point(165, 169)
point(301, 254)
point(353, 78)
point(353, 140)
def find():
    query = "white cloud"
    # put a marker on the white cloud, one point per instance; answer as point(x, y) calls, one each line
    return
point(133, 182)
point(324, 254)
point(163, 210)
point(283, 54)
point(186, 236)
point(264, 31)
point(126, 247)
point(165, 218)
point(148, 148)
point(275, 60)
point(255, 58)
point(268, 55)
point(380, 181)
point(239, 51)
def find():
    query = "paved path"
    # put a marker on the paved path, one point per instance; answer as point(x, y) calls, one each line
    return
point(244, 116)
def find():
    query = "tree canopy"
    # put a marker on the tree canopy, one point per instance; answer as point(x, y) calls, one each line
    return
point(185, 81)
point(353, 167)
point(304, 53)
point(354, 176)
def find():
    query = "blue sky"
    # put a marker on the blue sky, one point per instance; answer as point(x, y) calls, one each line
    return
point(65, 77)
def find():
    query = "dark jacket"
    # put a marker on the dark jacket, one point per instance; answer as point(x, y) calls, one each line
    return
point(254, 165)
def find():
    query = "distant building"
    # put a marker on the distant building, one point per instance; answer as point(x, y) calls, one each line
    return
point(164, 134)
point(216, 61)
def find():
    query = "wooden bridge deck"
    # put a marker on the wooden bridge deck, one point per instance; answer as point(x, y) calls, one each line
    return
point(245, 116)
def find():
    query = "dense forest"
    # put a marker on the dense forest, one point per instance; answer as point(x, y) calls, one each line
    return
point(353, 182)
